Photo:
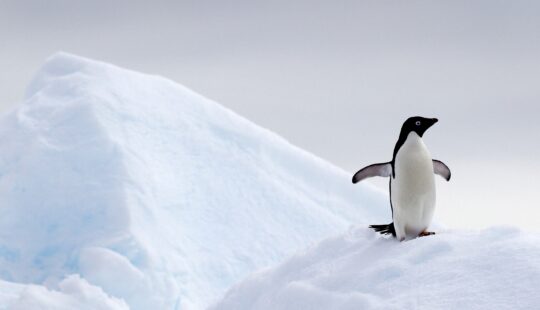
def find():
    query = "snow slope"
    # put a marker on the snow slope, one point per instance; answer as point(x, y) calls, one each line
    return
point(498, 268)
point(140, 192)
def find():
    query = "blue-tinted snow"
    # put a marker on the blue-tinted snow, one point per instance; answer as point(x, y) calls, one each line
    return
point(152, 194)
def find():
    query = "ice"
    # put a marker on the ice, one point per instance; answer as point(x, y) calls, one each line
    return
point(140, 192)
point(120, 190)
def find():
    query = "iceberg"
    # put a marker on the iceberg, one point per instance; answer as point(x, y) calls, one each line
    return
point(148, 195)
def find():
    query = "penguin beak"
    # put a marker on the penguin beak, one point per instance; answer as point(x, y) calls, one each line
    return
point(430, 122)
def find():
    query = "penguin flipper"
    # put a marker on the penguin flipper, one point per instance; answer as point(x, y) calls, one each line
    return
point(375, 170)
point(441, 169)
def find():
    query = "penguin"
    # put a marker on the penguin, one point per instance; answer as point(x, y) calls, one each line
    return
point(412, 181)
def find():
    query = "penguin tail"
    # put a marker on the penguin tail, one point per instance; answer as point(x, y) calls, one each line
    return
point(385, 229)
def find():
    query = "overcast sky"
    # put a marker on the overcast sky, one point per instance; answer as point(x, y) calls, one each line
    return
point(337, 78)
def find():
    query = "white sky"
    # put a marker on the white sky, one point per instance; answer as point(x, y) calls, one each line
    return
point(334, 77)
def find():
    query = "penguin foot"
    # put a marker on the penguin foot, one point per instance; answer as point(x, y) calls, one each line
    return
point(426, 233)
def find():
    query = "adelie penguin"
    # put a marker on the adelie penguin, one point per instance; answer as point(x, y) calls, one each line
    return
point(412, 181)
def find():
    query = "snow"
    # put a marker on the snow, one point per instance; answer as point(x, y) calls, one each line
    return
point(497, 268)
point(73, 293)
point(120, 189)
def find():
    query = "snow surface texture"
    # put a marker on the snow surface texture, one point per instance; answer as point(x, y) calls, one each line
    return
point(73, 293)
point(498, 268)
point(119, 189)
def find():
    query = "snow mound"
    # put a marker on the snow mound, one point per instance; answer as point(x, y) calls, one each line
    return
point(498, 268)
point(152, 193)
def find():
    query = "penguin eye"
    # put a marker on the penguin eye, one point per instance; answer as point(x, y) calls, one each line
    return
point(417, 123)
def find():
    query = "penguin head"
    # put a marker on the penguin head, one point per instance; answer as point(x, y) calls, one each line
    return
point(417, 124)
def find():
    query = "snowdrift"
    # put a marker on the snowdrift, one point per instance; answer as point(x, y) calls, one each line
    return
point(132, 191)
point(498, 268)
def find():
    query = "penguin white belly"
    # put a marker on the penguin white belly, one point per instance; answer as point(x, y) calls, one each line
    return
point(413, 188)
